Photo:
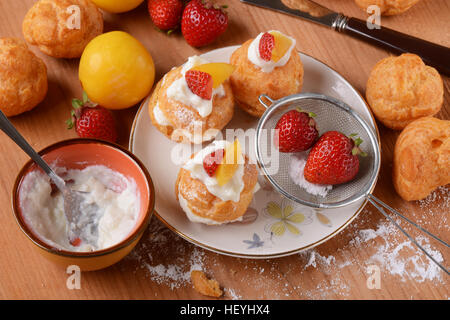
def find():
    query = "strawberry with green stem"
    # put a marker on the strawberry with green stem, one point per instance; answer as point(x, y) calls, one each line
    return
point(166, 14)
point(203, 22)
point(333, 159)
point(91, 120)
point(296, 131)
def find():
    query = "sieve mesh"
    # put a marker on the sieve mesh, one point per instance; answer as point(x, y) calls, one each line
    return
point(331, 115)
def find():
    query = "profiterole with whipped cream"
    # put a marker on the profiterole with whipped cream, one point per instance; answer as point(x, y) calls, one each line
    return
point(216, 185)
point(193, 102)
point(268, 64)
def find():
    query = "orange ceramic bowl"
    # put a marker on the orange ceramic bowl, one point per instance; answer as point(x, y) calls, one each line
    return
point(78, 154)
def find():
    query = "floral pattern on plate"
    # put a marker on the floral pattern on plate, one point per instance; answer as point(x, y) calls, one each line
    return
point(286, 216)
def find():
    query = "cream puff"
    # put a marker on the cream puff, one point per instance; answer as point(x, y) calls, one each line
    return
point(402, 89)
point(422, 158)
point(23, 77)
point(268, 64)
point(217, 184)
point(193, 102)
point(62, 28)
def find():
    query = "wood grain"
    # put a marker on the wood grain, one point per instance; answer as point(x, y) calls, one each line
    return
point(24, 274)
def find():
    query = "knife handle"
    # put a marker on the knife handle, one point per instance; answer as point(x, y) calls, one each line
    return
point(432, 54)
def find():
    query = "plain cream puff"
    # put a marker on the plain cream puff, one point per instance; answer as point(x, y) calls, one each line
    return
point(422, 158)
point(402, 89)
point(62, 28)
point(23, 77)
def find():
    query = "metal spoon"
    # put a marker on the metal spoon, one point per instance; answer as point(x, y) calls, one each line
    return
point(72, 199)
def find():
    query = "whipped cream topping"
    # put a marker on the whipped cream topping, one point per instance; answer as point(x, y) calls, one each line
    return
point(267, 66)
point(230, 191)
point(179, 90)
point(160, 117)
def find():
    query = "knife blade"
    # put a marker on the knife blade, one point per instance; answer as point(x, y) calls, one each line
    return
point(431, 53)
point(304, 9)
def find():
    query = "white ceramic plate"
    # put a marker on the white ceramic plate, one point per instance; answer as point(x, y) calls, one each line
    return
point(282, 227)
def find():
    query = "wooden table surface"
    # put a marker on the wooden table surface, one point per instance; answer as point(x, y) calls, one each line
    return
point(159, 266)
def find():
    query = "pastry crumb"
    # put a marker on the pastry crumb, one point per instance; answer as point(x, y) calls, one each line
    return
point(205, 286)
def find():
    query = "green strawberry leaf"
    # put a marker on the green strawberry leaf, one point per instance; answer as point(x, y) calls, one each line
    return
point(77, 103)
point(85, 97)
point(69, 123)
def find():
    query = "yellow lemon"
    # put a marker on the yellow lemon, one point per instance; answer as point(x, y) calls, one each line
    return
point(117, 6)
point(116, 70)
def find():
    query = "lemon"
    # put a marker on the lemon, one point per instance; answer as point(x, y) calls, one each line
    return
point(117, 6)
point(116, 70)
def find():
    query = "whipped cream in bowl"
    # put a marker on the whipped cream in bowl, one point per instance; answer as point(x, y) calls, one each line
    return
point(267, 66)
point(115, 197)
point(115, 183)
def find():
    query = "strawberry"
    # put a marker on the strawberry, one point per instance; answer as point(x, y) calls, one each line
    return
point(165, 14)
point(75, 242)
point(333, 159)
point(266, 45)
point(295, 131)
point(92, 121)
point(200, 83)
point(203, 22)
point(212, 161)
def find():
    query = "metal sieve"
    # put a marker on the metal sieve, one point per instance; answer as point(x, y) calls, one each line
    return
point(331, 115)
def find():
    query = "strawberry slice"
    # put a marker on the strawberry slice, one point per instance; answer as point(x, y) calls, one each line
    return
point(211, 161)
point(200, 83)
point(266, 45)
point(75, 242)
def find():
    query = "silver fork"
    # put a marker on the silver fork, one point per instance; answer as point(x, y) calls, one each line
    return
point(72, 199)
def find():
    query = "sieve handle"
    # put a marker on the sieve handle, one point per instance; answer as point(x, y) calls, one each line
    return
point(262, 99)
point(379, 205)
